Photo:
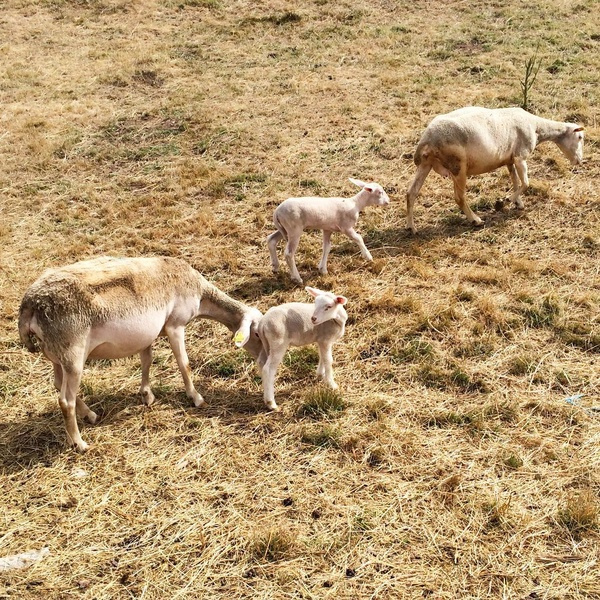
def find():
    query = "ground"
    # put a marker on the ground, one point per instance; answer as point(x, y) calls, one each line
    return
point(460, 459)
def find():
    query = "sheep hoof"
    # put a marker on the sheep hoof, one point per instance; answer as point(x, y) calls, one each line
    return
point(272, 406)
point(477, 222)
point(147, 397)
point(298, 281)
point(413, 230)
point(199, 401)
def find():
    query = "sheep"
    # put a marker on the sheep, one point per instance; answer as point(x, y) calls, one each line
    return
point(115, 307)
point(300, 324)
point(294, 215)
point(475, 140)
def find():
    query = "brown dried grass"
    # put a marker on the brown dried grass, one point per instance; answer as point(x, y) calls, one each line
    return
point(453, 468)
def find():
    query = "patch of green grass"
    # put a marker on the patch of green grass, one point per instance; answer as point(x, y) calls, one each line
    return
point(324, 436)
point(321, 402)
point(414, 350)
point(302, 361)
point(542, 314)
point(227, 365)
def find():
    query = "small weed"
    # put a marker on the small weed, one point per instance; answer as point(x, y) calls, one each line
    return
point(581, 512)
point(321, 402)
point(532, 66)
point(273, 545)
point(512, 461)
point(497, 512)
point(523, 365)
point(450, 419)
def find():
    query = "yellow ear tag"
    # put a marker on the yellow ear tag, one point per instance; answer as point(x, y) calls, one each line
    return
point(239, 337)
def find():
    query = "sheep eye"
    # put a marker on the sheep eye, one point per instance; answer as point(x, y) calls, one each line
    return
point(327, 307)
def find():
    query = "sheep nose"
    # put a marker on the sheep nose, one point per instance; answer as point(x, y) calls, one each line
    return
point(313, 319)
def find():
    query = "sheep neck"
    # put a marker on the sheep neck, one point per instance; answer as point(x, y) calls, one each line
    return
point(549, 131)
point(218, 306)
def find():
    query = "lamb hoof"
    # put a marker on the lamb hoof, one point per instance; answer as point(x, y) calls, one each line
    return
point(272, 406)
point(298, 281)
point(413, 230)
point(477, 222)
point(198, 402)
point(81, 447)
point(499, 205)
point(91, 417)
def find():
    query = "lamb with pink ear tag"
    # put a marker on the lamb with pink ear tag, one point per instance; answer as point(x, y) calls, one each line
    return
point(300, 324)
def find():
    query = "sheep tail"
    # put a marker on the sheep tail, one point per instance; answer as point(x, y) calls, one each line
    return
point(27, 336)
point(280, 227)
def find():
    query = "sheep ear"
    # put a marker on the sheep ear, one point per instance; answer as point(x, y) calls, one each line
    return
point(242, 335)
point(577, 129)
point(313, 291)
point(341, 300)
point(358, 182)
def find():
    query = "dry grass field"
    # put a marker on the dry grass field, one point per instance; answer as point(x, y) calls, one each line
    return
point(451, 465)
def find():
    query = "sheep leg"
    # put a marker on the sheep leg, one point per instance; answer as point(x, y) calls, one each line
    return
point(290, 250)
point(68, 403)
point(460, 186)
point(412, 193)
point(268, 375)
point(145, 391)
point(354, 235)
point(82, 409)
point(272, 242)
point(58, 375)
point(520, 166)
point(176, 336)
point(326, 250)
point(325, 368)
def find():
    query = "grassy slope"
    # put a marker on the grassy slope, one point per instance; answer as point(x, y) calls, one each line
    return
point(455, 469)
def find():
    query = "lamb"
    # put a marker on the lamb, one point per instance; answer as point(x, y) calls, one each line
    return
point(475, 140)
point(115, 307)
point(300, 324)
point(294, 215)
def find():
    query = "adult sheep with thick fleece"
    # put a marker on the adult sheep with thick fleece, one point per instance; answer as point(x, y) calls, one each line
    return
point(300, 324)
point(475, 140)
point(107, 308)
point(294, 215)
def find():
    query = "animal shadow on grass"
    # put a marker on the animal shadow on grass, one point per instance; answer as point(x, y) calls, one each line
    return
point(399, 240)
point(40, 438)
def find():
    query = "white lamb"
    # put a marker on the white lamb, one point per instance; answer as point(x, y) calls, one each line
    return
point(475, 140)
point(115, 307)
point(294, 215)
point(300, 324)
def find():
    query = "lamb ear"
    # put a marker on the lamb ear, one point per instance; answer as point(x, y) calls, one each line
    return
point(341, 300)
point(313, 291)
point(577, 129)
point(358, 182)
point(242, 335)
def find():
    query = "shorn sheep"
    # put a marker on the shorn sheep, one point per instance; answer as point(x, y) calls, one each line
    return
point(294, 215)
point(300, 324)
point(115, 307)
point(474, 140)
